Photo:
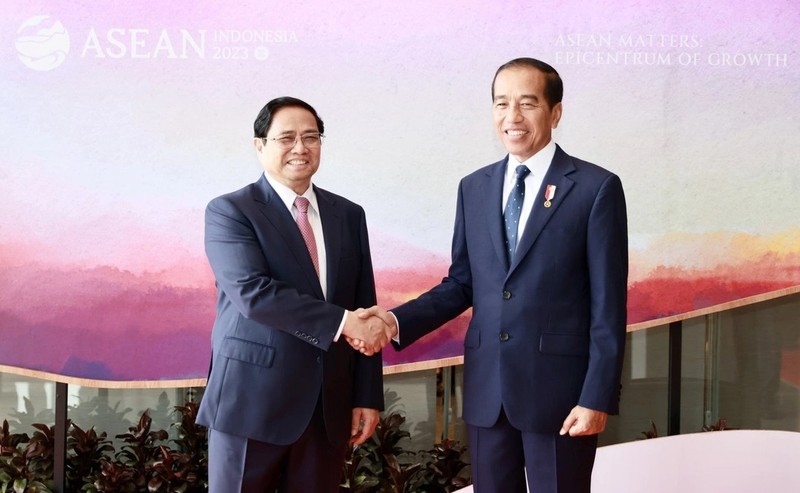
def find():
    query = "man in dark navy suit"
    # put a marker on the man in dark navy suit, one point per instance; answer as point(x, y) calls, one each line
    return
point(286, 393)
point(540, 254)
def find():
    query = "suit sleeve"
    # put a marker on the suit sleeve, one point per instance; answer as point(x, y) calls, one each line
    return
point(243, 274)
point(607, 255)
point(446, 300)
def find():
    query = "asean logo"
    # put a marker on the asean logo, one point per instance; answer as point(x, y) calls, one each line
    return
point(42, 43)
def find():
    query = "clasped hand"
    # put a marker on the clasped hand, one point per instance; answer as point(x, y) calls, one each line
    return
point(368, 330)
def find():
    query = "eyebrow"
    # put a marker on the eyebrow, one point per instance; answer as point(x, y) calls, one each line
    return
point(524, 96)
point(304, 132)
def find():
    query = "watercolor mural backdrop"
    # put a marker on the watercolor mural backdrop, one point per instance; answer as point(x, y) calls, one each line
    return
point(121, 120)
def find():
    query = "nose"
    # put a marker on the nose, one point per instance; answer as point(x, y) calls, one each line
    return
point(514, 114)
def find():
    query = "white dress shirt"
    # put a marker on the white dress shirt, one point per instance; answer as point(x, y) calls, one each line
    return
point(539, 163)
point(287, 196)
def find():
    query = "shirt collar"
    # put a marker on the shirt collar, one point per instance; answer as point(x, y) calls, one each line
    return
point(538, 163)
point(287, 195)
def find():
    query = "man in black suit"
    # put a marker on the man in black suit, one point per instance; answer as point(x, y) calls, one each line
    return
point(286, 393)
point(540, 253)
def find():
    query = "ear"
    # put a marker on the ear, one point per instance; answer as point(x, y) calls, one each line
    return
point(258, 144)
point(556, 115)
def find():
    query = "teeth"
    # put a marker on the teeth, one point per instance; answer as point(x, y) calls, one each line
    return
point(296, 161)
point(516, 132)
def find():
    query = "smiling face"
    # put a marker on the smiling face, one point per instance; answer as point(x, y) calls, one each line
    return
point(523, 118)
point(295, 166)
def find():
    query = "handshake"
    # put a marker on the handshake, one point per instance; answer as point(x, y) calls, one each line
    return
point(369, 329)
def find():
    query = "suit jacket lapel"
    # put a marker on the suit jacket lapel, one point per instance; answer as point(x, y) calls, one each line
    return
point(273, 208)
point(540, 215)
point(495, 175)
point(332, 230)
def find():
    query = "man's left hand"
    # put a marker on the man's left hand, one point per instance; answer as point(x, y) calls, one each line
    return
point(583, 421)
point(363, 424)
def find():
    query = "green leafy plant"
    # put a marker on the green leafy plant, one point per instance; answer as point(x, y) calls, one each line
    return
point(358, 476)
point(85, 452)
point(149, 462)
point(141, 448)
point(146, 462)
point(10, 441)
point(184, 470)
point(378, 465)
point(444, 469)
point(112, 477)
point(28, 468)
point(382, 464)
point(39, 455)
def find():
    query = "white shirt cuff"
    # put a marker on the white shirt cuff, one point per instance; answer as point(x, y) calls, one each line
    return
point(396, 338)
point(341, 327)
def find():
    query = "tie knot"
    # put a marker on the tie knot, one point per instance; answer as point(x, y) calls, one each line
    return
point(302, 204)
point(522, 172)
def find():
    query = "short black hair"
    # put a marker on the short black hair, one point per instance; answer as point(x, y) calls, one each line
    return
point(265, 116)
point(554, 88)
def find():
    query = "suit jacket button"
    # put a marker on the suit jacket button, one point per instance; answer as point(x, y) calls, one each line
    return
point(506, 295)
point(504, 336)
point(319, 359)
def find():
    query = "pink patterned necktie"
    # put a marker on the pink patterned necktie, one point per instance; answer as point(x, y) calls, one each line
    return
point(305, 229)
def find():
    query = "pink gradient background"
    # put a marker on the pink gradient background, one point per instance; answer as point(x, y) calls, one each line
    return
point(107, 163)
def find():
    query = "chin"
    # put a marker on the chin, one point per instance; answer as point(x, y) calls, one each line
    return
point(518, 150)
